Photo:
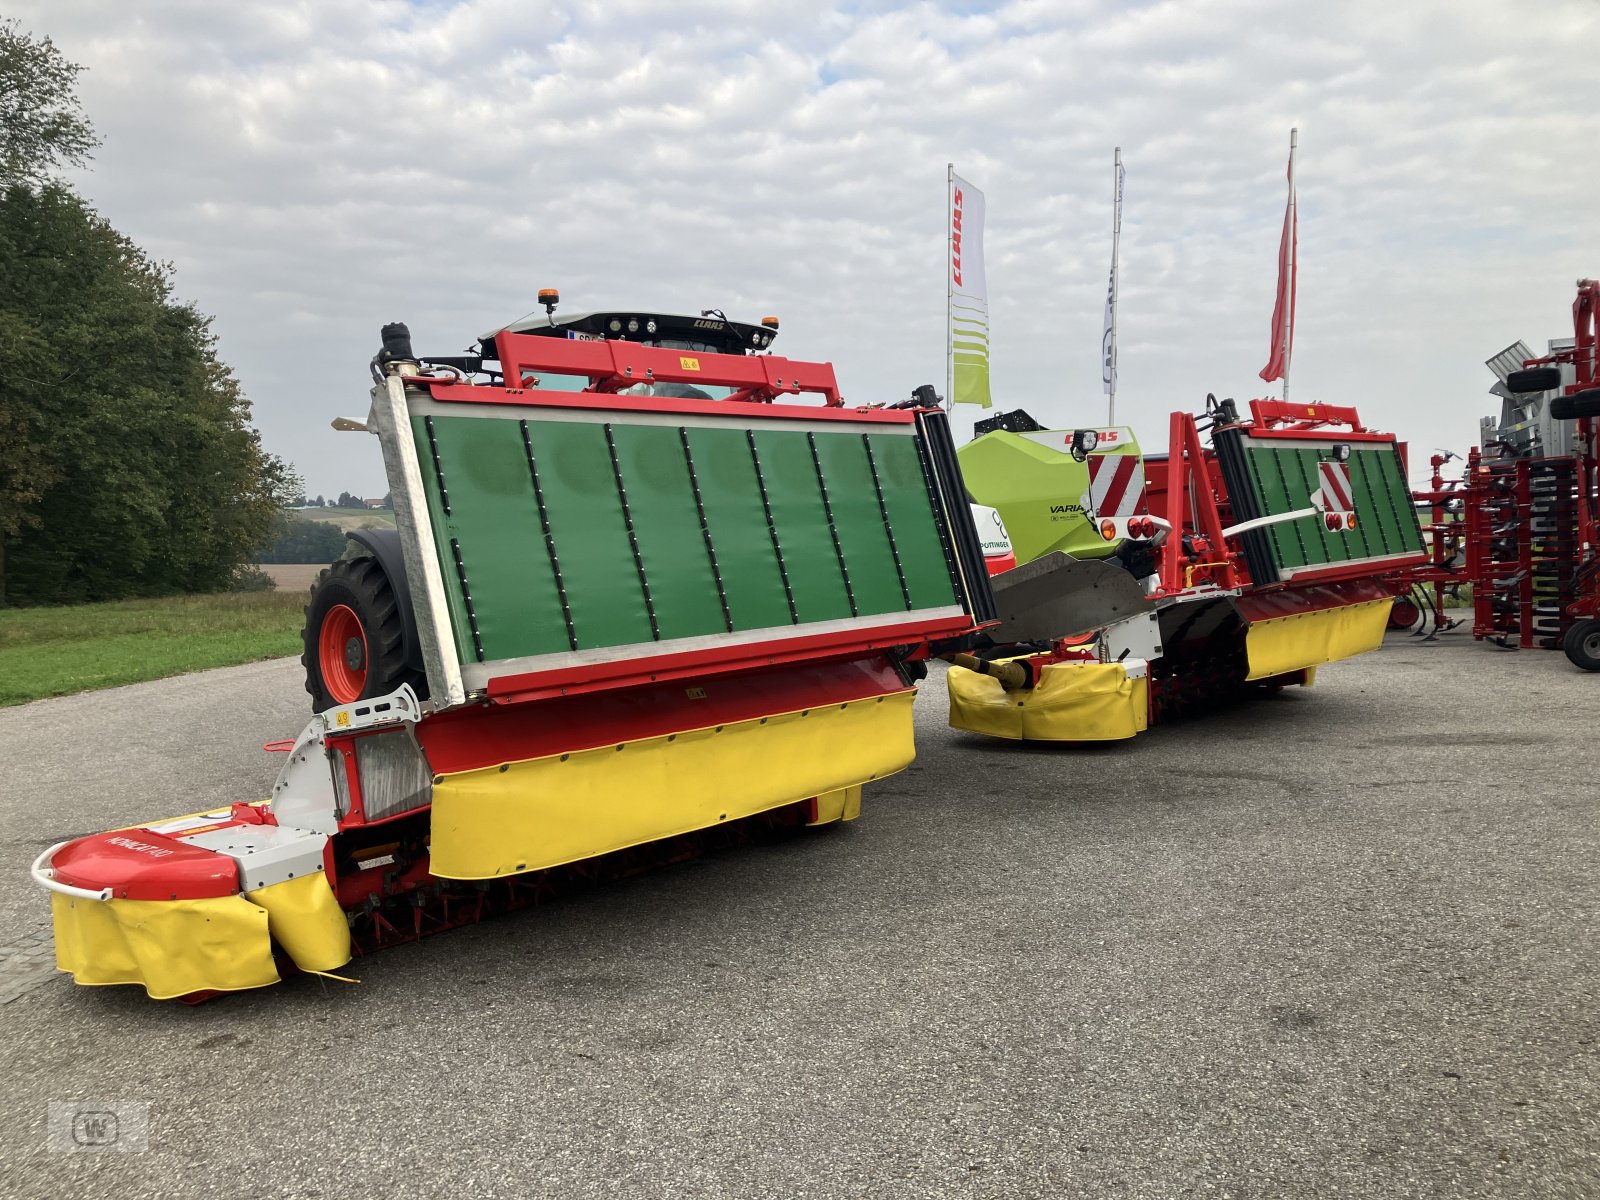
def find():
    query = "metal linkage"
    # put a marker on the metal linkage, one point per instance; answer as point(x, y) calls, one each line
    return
point(888, 526)
point(827, 508)
point(772, 526)
point(705, 528)
point(549, 537)
point(633, 536)
point(438, 467)
point(466, 597)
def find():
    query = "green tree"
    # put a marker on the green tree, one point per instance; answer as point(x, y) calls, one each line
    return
point(128, 465)
point(299, 540)
point(147, 477)
point(41, 123)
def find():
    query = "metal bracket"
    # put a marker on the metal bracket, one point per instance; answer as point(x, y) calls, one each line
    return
point(305, 795)
point(45, 876)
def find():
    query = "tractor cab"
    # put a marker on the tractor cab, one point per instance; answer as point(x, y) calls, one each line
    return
point(709, 333)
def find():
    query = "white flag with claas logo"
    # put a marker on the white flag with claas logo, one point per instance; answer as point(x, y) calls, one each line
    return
point(968, 297)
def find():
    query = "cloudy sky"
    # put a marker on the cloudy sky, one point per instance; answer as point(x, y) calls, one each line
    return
point(314, 169)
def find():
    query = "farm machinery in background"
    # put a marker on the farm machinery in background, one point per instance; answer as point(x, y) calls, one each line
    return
point(1171, 580)
point(1520, 524)
point(637, 597)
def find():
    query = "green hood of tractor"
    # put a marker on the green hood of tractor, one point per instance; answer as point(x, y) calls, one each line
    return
point(1040, 490)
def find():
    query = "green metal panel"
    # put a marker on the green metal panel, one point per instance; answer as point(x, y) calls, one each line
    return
point(542, 521)
point(859, 521)
point(1284, 478)
point(732, 496)
point(672, 546)
point(803, 532)
point(911, 518)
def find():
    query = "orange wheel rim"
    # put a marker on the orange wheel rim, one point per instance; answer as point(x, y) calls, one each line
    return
point(342, 654)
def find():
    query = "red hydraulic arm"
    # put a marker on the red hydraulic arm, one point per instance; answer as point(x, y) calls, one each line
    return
point(1191, 504)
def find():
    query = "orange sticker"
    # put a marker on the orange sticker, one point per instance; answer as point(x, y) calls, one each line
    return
point(688, 363)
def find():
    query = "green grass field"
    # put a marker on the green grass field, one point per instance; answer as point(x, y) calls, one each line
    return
point(58, 651)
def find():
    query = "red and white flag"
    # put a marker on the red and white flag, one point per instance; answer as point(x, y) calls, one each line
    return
point(1283, 309)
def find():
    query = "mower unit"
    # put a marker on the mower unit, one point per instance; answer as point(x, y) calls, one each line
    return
point(1151, 584)
point(637, 596)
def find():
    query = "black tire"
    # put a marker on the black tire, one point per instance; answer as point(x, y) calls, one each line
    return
point(355, 592)
point(1582, 644)
point(1580, 404)
point(1533, 379)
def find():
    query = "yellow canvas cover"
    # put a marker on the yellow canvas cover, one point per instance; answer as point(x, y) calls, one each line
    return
point(221, 943)
point(1072, 702)
point(542, 812)
point(1309, 639)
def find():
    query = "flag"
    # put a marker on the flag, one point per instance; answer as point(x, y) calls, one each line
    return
point(1108, 345)
point(1108, 334)
point(968, 297)
point(1283, 309)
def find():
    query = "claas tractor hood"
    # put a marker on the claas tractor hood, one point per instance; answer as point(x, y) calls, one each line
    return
point(1052, 486)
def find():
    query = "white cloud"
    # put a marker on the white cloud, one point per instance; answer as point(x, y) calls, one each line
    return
point(317, 169)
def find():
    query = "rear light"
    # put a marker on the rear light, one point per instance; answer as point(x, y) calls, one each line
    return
point(1333, 521)
point(1142, 527)
point(1108, 530)
point(1350, 521)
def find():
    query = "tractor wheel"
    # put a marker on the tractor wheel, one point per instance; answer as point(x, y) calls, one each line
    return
point(1533, 379)
point(1580, 404)
point(1404, 614)
point(354, 645)
point(1582, 644)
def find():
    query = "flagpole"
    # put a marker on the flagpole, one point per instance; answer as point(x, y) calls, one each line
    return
point(1116, 241)
point(1288, 308)
point(949, 289)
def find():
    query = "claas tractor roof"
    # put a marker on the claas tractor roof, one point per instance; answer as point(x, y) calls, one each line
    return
point(710, 331)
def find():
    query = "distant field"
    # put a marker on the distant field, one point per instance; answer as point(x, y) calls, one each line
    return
point(293, 577)
point(350, 518)
point(58, 651)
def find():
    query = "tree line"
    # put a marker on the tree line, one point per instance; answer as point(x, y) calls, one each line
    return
point(129, 466)
point(343, 500)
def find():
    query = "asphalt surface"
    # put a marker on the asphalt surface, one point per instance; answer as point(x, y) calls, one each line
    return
point(1336, 943)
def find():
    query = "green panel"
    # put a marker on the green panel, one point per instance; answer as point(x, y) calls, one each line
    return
point(804, 535)
point(485, 471)
point(672, 547)
point(738, 527)
point(905, 495)
point(591, 535)
point(494, 518)
point(859, 522)
point(1386, 526)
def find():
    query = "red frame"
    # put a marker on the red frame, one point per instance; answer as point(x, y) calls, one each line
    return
point(1187, 490)
point(719, 660)
point(614, 365)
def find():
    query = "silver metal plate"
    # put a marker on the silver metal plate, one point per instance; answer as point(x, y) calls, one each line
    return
point(1057, 596)
point(266, 854)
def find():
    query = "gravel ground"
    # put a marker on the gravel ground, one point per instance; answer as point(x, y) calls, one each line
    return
point(1334, 943)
